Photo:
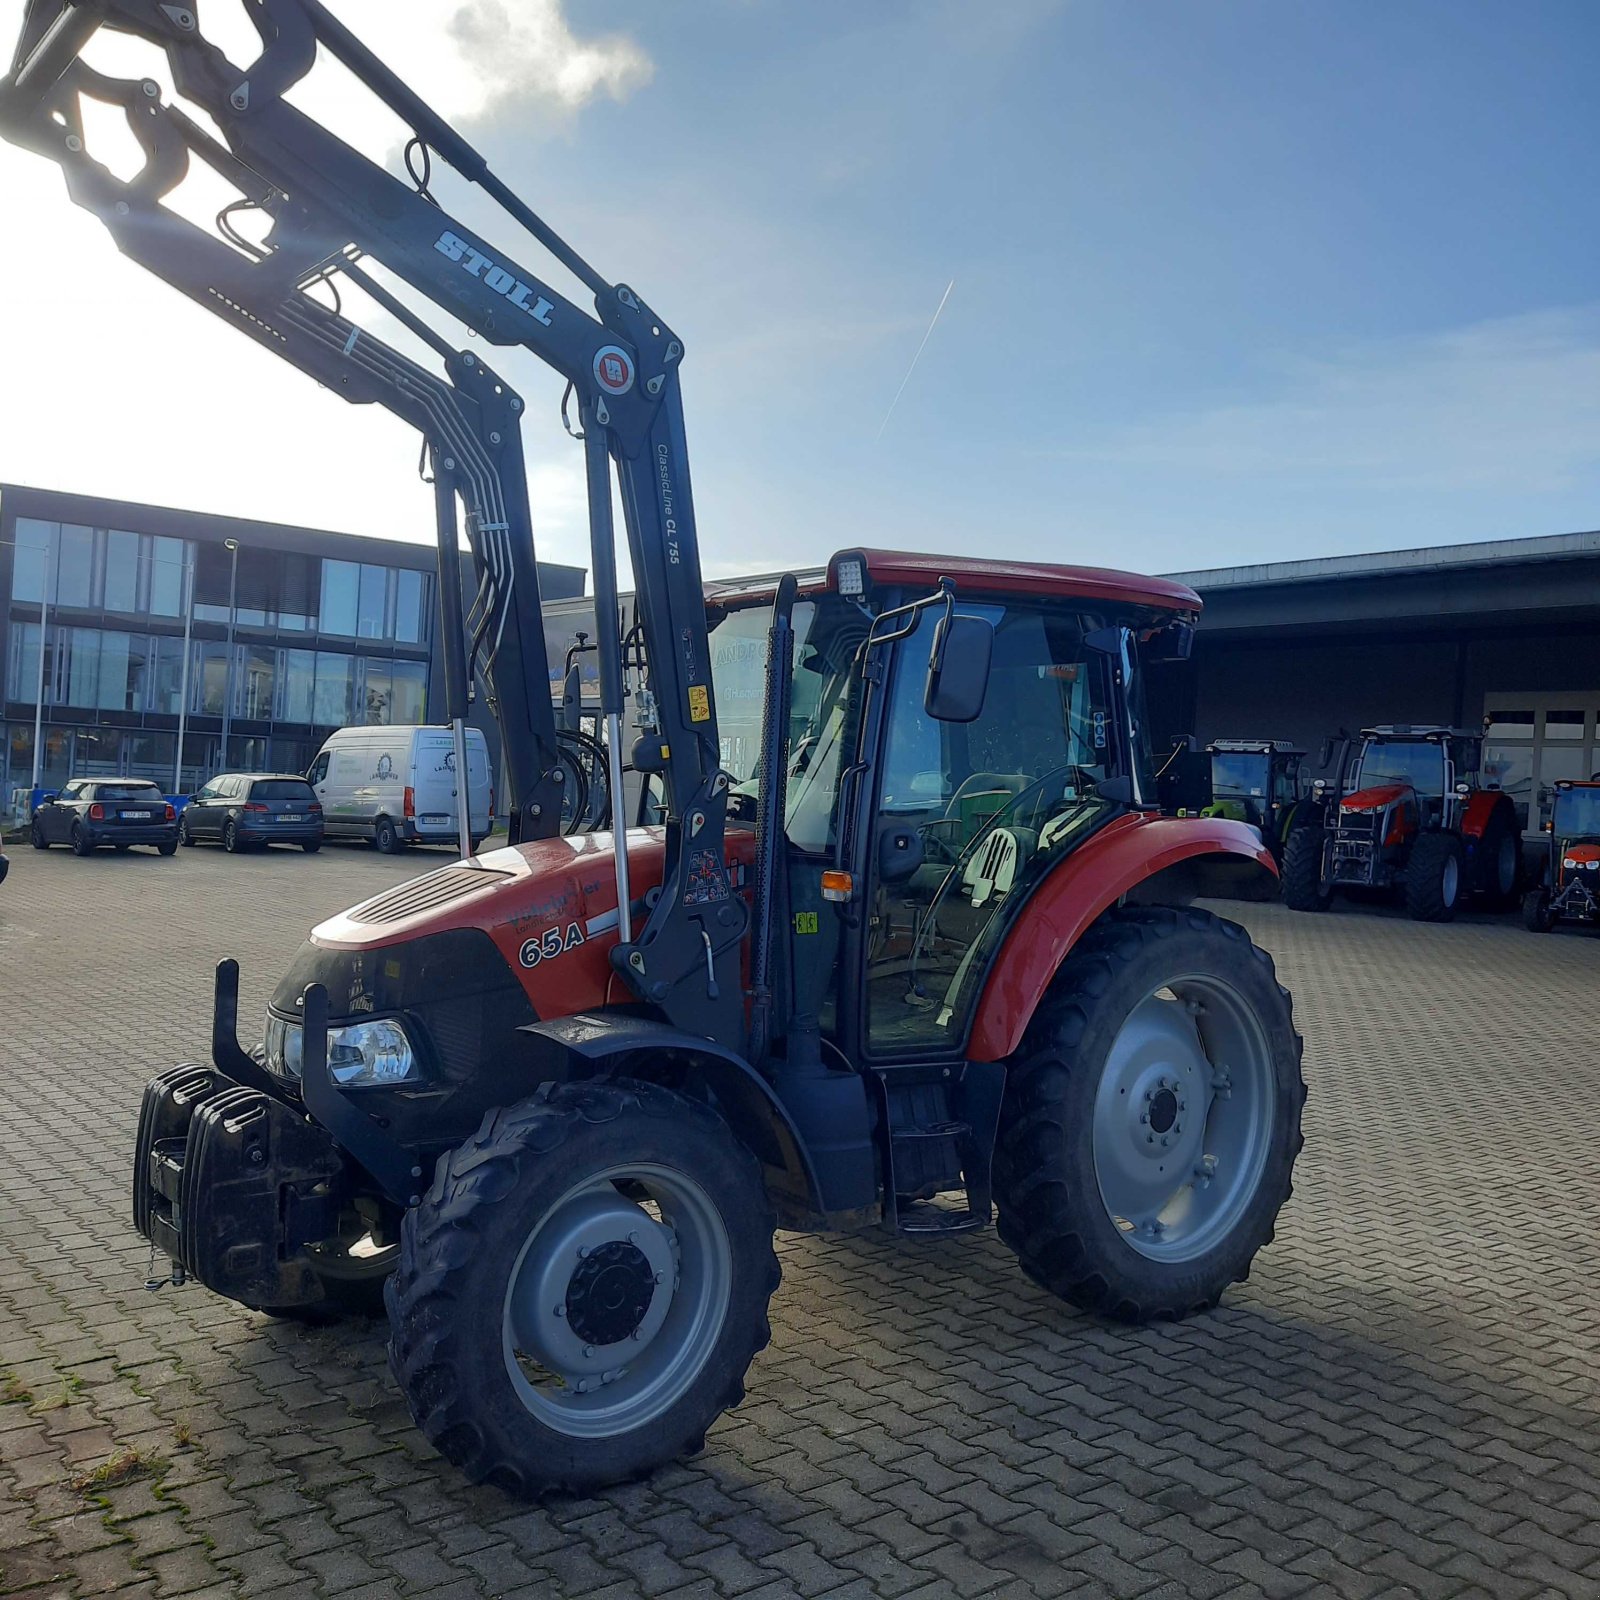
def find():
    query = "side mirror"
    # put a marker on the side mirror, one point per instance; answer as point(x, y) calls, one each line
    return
point(48, 795)
point(958, 668)
point(1325, 754)
point(1172, 642)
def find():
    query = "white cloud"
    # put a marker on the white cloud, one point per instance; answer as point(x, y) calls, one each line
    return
point(533, 49)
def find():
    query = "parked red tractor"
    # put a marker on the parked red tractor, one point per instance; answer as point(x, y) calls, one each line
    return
point(1569, 890)
point(922, 930)
point(1410, 816)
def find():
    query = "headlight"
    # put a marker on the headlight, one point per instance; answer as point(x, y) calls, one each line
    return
point(371, 1053)
point(360, 1055)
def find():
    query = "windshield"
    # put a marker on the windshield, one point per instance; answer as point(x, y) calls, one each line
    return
point(1577, 813)
point(1418, 764)
point(827, 632)
point(1241, 777)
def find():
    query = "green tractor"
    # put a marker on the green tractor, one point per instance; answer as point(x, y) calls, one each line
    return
point(1258, 781)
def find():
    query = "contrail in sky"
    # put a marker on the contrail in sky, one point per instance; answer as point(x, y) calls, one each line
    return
point(914, 360)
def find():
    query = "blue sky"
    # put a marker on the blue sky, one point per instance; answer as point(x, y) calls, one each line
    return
point(1233, 281)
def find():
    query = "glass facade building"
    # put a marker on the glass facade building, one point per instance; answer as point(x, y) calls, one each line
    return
point(115, 627)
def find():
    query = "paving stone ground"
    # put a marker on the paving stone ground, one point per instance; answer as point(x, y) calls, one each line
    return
point(1403, 1400)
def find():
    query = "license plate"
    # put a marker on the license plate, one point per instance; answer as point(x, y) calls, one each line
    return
point(436, 820)
point(291, 816)
point(135, 816)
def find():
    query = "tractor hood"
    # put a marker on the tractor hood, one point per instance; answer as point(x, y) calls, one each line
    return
point(1581, 855)
point(549, 907)
point(1376, 798)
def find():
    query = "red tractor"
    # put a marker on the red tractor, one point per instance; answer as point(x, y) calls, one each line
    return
point(1408, 814)
point(914, 927)
point(1569, 890)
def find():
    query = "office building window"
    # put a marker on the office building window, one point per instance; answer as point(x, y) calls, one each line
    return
point(74, 579)
point(121, 571)
point(297, 685)
point(371, 614)
point(409, 681)
point(208, 680)
point(120, 684)
point(168, 561)
point(341, 585)
point(410, 597)
point(254, 673)
point(31, 561)
point(22, 663)
point(336, 676)
point(166, 676)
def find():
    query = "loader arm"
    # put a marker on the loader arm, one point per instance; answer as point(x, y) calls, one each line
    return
point(331, 209)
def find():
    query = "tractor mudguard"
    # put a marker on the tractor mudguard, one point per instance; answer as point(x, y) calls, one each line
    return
point(1122, 857)
point(597, 1044)
point(1480, 810)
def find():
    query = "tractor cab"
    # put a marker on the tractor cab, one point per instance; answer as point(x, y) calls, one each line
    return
point(1257, 781)
point(1570, 886)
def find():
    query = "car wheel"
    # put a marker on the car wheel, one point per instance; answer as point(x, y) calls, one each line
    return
point(387, 837)
point(312, 847)
point(230, 837)
point(168, 849)
point(185, 838)
point(82, 844)
point(36, 836)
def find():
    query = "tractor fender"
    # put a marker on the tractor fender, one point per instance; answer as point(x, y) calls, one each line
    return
point(1157, 860)
point(1480, 809)
point(619, 1044)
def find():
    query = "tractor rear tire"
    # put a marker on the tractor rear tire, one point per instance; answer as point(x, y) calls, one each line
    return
point(1500, 860)
point(1303, 888)
point(1074, 1142)
point(1435, 879)
point(529, 1329)
point(1537, 917)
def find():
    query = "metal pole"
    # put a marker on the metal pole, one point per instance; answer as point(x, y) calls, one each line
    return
point(227, 672)
point(458, 729)
point(183, 675)
point(44, 628)
point(603, 557)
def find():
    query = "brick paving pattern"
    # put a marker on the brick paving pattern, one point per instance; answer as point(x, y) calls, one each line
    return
point(1403, 1400)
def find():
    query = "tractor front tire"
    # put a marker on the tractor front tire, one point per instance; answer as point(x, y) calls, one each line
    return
point(1537, 917)
point(582, 1289)
point(1435, 880)
point(1301, 871)
point(1151, 1118)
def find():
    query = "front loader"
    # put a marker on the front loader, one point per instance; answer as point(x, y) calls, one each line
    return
point(912, 950)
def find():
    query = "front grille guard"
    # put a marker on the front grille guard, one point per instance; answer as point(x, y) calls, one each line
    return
point(355, 1131)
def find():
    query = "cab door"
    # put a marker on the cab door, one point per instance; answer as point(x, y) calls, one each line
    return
point(994, 803)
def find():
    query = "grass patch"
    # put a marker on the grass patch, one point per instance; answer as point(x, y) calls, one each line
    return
point(70, 1388)
point(13, 1391)
point(182, 1435)
point(121, 1466)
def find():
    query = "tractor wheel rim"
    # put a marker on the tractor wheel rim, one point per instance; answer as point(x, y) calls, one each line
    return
point(1183, 1118)
point(615, 1303)
point(1450, 881)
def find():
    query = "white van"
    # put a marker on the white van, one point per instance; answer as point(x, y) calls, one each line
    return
point(397, 786)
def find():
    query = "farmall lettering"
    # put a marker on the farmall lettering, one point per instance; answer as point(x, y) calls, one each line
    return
point(493, 276)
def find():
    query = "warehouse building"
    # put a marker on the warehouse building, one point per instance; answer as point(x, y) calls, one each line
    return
point(126, 629)
point(1503, 635)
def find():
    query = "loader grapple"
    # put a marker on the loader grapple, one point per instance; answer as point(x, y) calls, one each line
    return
point(233, 1186)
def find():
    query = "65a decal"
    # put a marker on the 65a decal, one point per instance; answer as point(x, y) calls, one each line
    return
point(551, 943)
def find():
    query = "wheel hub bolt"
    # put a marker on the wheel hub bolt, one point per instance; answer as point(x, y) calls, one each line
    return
point(561, 1311)
point(1144, 1117)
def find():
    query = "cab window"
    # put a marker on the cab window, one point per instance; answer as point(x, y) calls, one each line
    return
point(995, 803)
